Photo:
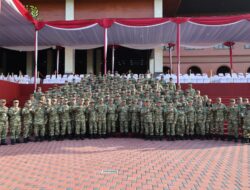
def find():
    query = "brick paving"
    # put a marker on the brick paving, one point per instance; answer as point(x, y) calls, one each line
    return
point(125, 164)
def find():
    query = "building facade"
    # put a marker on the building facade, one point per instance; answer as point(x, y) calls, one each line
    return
point(208, 61)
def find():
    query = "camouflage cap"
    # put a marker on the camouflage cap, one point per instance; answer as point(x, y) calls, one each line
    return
point(232, 100)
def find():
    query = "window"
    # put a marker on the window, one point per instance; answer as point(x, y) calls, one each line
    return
point(221, 47)
point(223, 69)
point(248, 70)
point(166, 70)
point(194, 70)
point(247, 46)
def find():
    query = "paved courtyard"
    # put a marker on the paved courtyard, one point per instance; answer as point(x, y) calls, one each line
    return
point(125, 164)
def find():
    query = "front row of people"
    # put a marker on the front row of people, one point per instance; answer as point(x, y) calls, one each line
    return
point(78, 119)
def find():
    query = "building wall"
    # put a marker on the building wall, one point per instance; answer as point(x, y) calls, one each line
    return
point(211, 59)
point(48, 9)
point(93, 9)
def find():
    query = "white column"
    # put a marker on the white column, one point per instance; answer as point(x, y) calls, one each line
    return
point(29, 63)
point(69, 60)
point(69, 52)
point(158, 52)
point(90, 61)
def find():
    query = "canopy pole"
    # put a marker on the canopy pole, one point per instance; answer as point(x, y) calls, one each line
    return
point(105, 50)
point(113, 59)
point(36, 59)
point(57, 61)
point(178, 52)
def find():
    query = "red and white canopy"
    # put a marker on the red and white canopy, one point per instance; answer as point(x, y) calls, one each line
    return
point(18, 28)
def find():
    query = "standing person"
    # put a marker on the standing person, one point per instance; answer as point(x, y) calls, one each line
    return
point(15, 122)
point(123, 118)
point(209, 119)
point(147, 113)
point(101, 109)
point(246, 125)
point(181, 122)
point(27, 120)
point(80, 119)
point(92, 118)
point(158, 120)
point(200, 120)
point(39, 121)
point(111, 117)
point(54, 123)
point(191, 120)
point(134, 115)
point(233, 121)
point(64, 110)
point(3, 121)
point(170, 117)
point(220, 111)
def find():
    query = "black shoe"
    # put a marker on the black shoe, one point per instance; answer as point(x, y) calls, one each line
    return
point(3, 142)
point(82, 137)
point(41, 139)
point(18, 141)
point(36, 139)
point(191, 137)
point(13, 141)
point(222, 137)
point(235, 140)
point(25, 140)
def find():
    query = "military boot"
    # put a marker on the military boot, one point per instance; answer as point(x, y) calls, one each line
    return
point(235, 140)
point(36, 139)
point(25, 140)
point(13, 141)
point(3, 142)
point(18, 141)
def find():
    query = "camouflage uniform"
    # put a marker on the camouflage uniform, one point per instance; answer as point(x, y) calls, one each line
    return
point(209, 119)
point(147, 113)
point(92, 118)
point(64, 110)
point(3, 122)
point(191, 119)
point(233, 120)
point(15, 122)
point(101, 109)
point(80, 125)
point(181, 122)
point(170, 117)
point(200, 120)
point(158, 120)
point(27, 120)
point(54, 122)
point(246, 124)
point(220, 115)
point(39, 121)
point(111, 117)
point(134, 115)
point(123, 117)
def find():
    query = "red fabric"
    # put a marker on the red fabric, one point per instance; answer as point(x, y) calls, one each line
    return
point(142, 22)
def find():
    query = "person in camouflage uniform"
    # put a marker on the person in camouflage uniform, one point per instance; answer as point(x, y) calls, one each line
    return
point(181, 122)
point(134, 111)
point(158, 120)
point(27, 120)
point(64, 110)
point(246, 125)
point(3, 121)
point(111, 117)
point(15, 122)
point(80, 121)
point(191, 120)
point(54, 122)
point(147, 113)
point(170, 117)
point(200, 120)
point(92, 119)
point(233, 116)
point(220, 112)
point(209, 119)
point(123, 118)
point(40, 120)
point(101, 109)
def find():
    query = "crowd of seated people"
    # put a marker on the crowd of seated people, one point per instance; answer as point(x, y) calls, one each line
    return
point(107, 106)
point(184, 78)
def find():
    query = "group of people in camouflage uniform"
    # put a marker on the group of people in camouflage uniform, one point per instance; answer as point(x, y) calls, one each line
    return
point(103, 106)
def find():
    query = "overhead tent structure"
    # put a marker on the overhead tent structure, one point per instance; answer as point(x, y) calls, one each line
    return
point(19, 31)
